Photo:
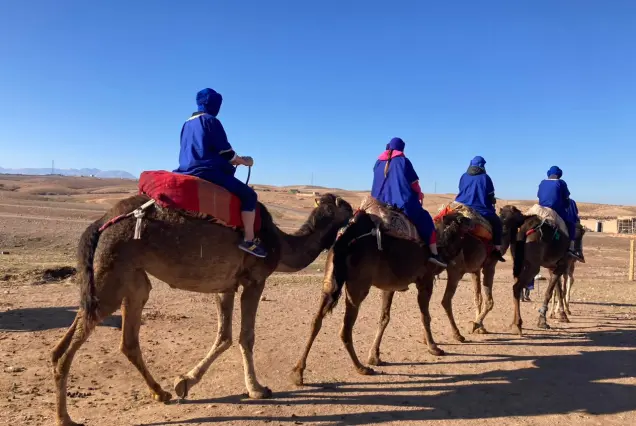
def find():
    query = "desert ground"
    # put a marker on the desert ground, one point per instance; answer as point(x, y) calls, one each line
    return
point(582, 372)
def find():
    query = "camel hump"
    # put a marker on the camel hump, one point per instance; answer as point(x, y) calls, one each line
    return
point(390, 220)
point(550, 216)
point(192, 194)
point(480, 227)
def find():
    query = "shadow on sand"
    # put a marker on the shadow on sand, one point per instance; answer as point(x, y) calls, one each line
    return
point(588, 383)
point(48, 318)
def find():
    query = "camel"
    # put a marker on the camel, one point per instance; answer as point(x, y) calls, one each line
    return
point(356, 259)
point(474, 259)
point(188, 252)
point(534, 243)
point(568, 279)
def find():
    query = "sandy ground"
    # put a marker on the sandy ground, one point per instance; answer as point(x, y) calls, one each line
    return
point(582, 372)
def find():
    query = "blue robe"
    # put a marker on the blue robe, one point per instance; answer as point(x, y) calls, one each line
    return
point(554, 193)
point(206, 153)
point(477, 192)
point(397, 191)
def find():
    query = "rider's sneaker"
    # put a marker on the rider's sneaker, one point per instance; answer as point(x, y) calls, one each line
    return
point(497, 255)
point(436, 260)
point(254, 248)
point(577, 255)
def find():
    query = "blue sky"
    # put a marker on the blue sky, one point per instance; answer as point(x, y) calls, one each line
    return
point(322, 86)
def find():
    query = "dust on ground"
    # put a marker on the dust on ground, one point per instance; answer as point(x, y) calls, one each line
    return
point(583, 372)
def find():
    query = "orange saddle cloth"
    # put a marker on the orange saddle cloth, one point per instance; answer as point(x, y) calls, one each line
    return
point(190, 193)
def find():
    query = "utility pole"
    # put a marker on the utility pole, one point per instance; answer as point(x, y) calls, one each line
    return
point(52, 167)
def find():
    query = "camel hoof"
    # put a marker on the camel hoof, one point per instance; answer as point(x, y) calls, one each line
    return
point(543, 324)
point(436, 351)
point(162, 396)
point(366, 371)
point(568, 312)
point(181, 387)
point(264, 393)
point(375, 360)
point(459, 338)
point(482, 330)
point(68, 422)
point(517, 329)
point(296, 377)
point(476, 326)
point(564, 318)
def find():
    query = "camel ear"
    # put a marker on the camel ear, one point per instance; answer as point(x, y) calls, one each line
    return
point(316, 202)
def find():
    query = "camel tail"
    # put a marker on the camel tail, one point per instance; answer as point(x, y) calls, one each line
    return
point(85, 257)
point(341, 251)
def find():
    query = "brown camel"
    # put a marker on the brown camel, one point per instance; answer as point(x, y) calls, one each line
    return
point(357, 261)
point(568, 279)
point(474, 259)
point(188, 252)
point(534, 243)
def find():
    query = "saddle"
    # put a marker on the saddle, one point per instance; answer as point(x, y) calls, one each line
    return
point(389, 219)
point(480, 227)
point(191, 194)
point(549, 216)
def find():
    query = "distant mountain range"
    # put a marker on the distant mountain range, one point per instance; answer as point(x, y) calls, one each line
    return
point(116, 174)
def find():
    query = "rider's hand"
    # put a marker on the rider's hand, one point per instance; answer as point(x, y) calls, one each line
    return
point(248, 161)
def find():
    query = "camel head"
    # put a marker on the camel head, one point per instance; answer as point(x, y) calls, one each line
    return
point(330, 212)
point(511, 218)
point(451, 231)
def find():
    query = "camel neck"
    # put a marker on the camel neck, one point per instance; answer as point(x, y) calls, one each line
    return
point(300, 249)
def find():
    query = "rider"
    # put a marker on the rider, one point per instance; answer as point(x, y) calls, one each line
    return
point(477, 191)
point(396, 183)
point(554, 193)
point(207, 154)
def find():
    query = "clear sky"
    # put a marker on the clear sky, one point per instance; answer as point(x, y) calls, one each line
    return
point(321, 86)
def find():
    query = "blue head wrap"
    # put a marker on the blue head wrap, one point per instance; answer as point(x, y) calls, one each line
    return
point(554, 170)
point(478, 162)
point(396, 144)
point(209, 101)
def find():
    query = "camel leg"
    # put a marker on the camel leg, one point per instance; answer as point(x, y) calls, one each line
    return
point(131, 309)
point(559, 294)
point(224, 308)
point(346, 333)
point(569, 282)
point(476, 279)
point(554, 280)
point(61, 358)
point(447, 301)
point(250, 299)
point(385, 317)
point(424, 293)
point(296, 375)
point(79, 331)
point(489, 278)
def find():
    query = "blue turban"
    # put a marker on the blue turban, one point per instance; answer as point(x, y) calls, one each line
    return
point(554, 170)
point(396, 144)
point(209, 101)
point(478, 162)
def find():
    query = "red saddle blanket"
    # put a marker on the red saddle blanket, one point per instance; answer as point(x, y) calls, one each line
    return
point(185, 192)
point(480, 227)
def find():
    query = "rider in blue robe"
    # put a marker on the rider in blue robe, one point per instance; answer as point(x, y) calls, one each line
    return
point(477, 191)
point(207, 154)
point(396, 183)
point(554, 193)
